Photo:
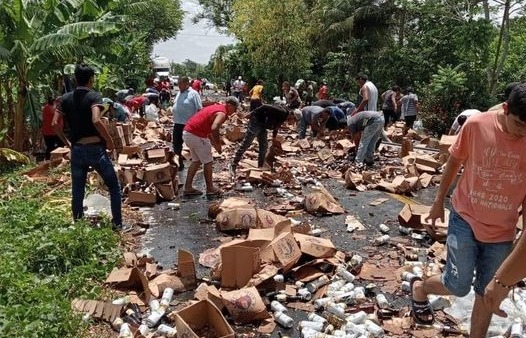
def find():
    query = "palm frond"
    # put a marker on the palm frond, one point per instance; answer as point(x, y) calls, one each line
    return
point(55, 40)
point(86, 28)
point(4, 53)
point(13, 156)
point(137, 7)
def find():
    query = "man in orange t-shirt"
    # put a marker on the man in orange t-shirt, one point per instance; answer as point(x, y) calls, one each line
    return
point(485, 202)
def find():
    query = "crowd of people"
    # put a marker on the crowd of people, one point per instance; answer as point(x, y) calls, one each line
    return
point(486, 203)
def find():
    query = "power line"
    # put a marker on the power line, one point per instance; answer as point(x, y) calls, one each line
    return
point(205, 35)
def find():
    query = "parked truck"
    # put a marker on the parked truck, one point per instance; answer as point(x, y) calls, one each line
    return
point(161, 66)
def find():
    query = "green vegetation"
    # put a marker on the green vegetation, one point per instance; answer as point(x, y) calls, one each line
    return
point(46, 261)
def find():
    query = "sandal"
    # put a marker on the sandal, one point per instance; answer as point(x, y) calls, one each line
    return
point(194, 192)
point(216, 193)
point(421, 311)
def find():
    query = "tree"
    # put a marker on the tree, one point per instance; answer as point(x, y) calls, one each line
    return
point(34, 30)
point(275, 36)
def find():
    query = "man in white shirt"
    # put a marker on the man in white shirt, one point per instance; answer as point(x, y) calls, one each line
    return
point(368, 94)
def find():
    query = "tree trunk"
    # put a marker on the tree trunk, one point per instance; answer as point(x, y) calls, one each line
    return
point(10, 111)
point(501, 50)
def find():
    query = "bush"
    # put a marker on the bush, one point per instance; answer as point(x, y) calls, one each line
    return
point(441, 97)
point(46, 261)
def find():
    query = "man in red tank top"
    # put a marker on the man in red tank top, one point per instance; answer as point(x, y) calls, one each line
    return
point(201, 132)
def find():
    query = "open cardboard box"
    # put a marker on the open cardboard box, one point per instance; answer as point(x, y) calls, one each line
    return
point(190, 320)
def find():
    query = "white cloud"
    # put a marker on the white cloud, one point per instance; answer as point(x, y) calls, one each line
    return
point(196, 42)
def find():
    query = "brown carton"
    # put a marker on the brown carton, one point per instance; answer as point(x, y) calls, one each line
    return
point(245, 305)
point(191, 320)
point(236, 219)
point(165, 190)
point(59, 153)
point(141, 198)
point(446, 141)
point(130, 279)
point(315, 246)
point(186, 268)
point(98, 310)
point(410, 215)
point(239, 264)
point(156, 155)
point(158, 173)
point(286, 250)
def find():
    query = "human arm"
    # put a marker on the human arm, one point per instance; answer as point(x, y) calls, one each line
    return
point(511, 271)
point(101, 128)
point(57, 127)
point(450, 173)
point(364, 92)
point(218, 119)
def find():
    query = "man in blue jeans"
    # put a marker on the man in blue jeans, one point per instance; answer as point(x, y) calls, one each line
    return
point(366, 129)
point(89, 140)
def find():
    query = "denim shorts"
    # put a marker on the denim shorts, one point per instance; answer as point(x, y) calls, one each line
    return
point(468, 258)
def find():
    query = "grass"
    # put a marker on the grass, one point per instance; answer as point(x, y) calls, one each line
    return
point(46, 261)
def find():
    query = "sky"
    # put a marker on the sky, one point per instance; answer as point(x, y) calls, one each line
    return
point(194, 42)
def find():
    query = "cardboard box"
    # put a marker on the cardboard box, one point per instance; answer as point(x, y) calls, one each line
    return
point(315, 246)
point(186, 268)
point(156, 155)
point(141, 198)
point(130, 279)
point(410, 215)
point(245, 305)
point(286, 250)
point(190, 320)
point(165, 190)
point(446, 141)
point(98, 310)
point(239, 264)
point(158, 173)
point(131, 150)
point(236, 219)
point(59, 153)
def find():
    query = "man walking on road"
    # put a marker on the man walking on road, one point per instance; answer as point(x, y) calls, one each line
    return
point(187, 103)
point(485, 202)
point(89, 141)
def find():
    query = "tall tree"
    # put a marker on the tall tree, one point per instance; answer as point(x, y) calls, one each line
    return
point(275, 34)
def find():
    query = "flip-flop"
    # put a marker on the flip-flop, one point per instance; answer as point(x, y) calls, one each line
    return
point(421, 311)
point(214, 194)
point(192, 193)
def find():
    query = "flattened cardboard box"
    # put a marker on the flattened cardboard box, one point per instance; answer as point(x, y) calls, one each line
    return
point(190, 320)
point(98, 310)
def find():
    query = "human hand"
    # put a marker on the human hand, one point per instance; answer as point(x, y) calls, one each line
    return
point(493, 296)
point(436, 212)
point(110, 145)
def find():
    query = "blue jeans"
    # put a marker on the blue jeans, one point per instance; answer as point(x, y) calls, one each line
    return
point(467, 257)
point(370, 135)
point(93, 155)
point(255, 128)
